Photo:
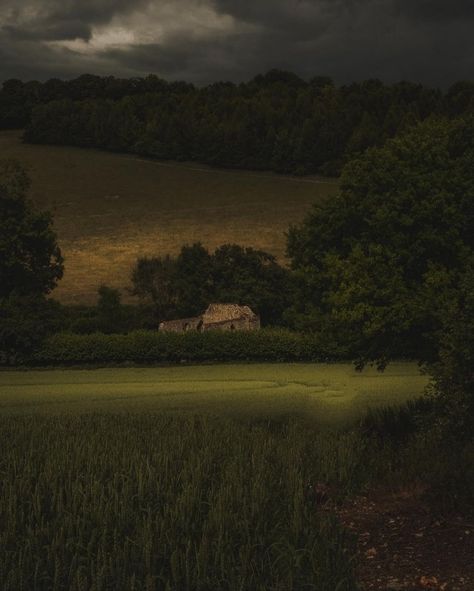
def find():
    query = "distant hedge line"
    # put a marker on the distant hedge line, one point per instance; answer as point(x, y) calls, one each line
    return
point(148, 347)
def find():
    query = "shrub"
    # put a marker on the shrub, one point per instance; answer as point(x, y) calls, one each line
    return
point(25, 321)
point(396, 423)
point(159, 347)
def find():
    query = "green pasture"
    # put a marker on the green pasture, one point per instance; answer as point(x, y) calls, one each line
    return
point(110, 209)
point(322, 391)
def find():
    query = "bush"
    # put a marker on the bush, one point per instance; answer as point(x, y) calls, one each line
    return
point(160, 347)
point(409, 445)
point(397, 423)
point(25, 321)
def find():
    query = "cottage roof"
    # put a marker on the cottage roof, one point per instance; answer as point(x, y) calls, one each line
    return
point(223, 312)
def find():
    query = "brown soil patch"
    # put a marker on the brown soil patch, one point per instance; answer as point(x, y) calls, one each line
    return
point(404, 545)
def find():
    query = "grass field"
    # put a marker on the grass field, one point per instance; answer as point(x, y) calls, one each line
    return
point(109, 209)
point(102, 489)
point(321, 392)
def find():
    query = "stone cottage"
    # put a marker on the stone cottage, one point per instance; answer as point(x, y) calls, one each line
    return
point(216, 317)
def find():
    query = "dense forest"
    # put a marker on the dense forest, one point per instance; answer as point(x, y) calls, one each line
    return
point(276, 121)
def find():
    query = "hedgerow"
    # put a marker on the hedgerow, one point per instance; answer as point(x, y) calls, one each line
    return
point(149, 347)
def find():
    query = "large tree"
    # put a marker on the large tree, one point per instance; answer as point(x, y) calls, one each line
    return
point(185, 285)
point(252, 277)
point(453, 371)
point(30, 259)
point(154, 282)
point(30, 266)
point(380, 264)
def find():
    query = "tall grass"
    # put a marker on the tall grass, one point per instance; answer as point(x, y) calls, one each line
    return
point(171, 502)
point(409, 444)
point(175, 501)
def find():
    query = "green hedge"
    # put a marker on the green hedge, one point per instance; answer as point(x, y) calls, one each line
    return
point(155, 347)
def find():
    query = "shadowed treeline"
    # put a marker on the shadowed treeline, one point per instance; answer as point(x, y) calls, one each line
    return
point(276, 121)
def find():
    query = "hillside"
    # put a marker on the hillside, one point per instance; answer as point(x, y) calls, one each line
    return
point(111, 208)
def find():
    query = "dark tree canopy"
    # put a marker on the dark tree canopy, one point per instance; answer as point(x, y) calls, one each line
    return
point(453, 371)
point(30, 266)
point(186, 285)
point(30, 259)
point(383, 260)
point(276, 121)
point(252, 277)
point(154, 281)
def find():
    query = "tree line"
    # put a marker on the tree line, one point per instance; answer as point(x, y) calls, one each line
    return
point(18, 98)
point(276, 121)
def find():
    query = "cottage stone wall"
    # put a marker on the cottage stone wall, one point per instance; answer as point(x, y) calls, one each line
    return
point(223, 317)
point(181, 325)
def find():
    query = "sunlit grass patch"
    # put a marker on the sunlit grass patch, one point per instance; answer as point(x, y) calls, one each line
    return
point(320, 392)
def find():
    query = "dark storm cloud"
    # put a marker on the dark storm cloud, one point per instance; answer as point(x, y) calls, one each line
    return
point(195, 61)
point(429, 41)
point(45, 31)
point(47, 20)
point(436, 10)
point(33, 61)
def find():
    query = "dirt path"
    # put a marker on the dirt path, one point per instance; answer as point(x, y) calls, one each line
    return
point(403, 545)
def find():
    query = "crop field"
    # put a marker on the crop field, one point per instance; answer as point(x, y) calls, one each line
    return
point(183, 478)
point(182, 503)
point(317, 391)
point(110, 209)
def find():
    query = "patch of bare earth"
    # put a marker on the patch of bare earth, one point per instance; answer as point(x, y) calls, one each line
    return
point(402, 544)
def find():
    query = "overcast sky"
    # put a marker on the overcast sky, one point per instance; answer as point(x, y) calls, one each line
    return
point(428, 41)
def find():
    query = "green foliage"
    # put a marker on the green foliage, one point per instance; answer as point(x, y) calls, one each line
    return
point(111, 315)
point(30, 260)
point(276, 121)
point(108, 316)
point(453, 372)
point(407, 448)
point(154, 280)
point(194, 280)
point(397, 422)
point(184, 286)
point(149, 347)
point(382, 261)
point(25, 321)
point(30, 266)
point(251, 277)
